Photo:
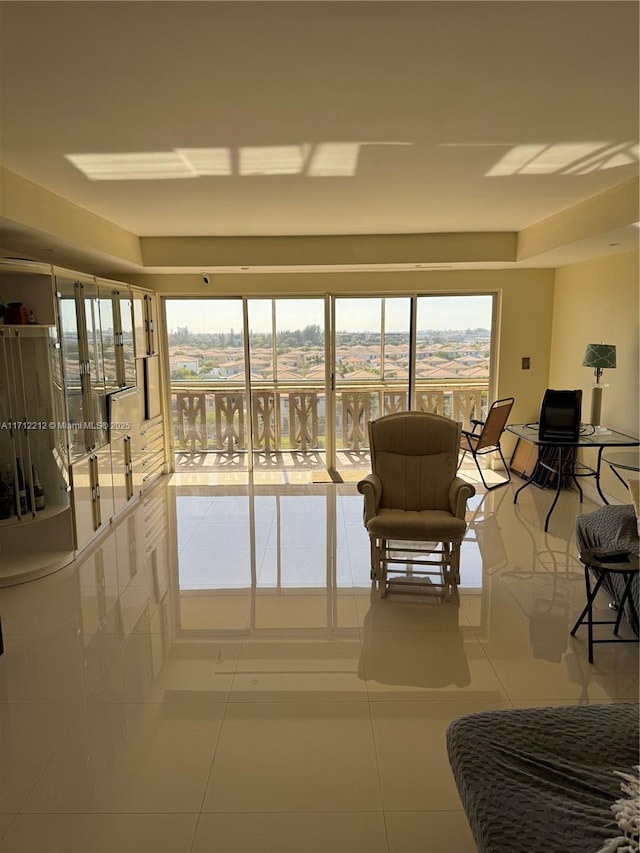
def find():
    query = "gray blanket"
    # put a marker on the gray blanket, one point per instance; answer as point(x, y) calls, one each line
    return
point(541, 780)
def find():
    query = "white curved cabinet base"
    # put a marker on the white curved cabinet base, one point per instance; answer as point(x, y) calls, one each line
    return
point(21, 568)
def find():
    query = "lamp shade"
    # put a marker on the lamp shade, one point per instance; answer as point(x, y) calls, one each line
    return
point(600, 356)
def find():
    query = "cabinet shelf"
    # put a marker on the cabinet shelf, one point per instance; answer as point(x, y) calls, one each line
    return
point(18, 568)
point(47, 512)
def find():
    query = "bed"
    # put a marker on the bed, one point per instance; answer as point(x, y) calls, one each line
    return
point(544, 780)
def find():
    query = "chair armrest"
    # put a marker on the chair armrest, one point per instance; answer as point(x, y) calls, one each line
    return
point(371, 488)
point(459, 493)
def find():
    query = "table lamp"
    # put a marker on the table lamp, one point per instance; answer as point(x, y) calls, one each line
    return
point(598, 356)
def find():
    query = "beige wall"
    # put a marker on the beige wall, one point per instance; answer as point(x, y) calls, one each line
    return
point(598, 301)
point(526, 298)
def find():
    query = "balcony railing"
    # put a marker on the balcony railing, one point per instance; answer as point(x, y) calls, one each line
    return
point(294, 418)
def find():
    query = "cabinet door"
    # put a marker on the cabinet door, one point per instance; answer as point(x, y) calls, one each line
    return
point(83, 480)
point(139, 322)
point(97, 430)
point(109, 307)
point(122, 471)
point(152, 323)
point(73, 364)
point(104, 478)
point(119, 474)
point(127, 338)
point(116, 324)
point(145, 322)
point(152, 387)
point(92, 497)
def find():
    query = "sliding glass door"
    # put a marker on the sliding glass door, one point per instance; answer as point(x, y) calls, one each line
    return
point(453, 355)
point(206, 358)
point(291, 383)
point(372, 350)
point(287, 358)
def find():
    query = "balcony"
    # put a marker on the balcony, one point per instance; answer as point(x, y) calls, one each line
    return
point(211, 422)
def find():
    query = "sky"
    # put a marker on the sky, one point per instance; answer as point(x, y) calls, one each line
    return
point(352, 314)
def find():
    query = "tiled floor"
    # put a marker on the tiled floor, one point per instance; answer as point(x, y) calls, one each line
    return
point(218, 675)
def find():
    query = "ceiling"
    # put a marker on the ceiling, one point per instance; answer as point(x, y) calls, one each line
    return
point(319, 118)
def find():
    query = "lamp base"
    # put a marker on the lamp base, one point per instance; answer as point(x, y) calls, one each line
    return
point(596, 407)
point(600, 430)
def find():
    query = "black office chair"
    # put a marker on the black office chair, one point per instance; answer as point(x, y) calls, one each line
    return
point(485, 438)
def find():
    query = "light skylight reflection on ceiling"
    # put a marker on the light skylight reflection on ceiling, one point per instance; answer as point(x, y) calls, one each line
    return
point(334, 159)
point(579, 158)
point(273, 159)
point(322, 160)
point(143, 166)
point(207, 161)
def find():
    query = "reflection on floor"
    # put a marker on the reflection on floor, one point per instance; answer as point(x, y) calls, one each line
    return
point(275, 467)
point(218, 674)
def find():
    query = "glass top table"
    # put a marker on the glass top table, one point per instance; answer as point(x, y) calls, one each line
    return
point(625, 460)
point(600, 440)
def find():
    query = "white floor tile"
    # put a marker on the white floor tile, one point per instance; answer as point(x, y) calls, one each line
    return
point(202, 673)
point(5, 822)
point(326, 832)
point(412, 754)
point(109, 833)
point(30, 734)
point(44, 668)
point(614, 675)
point(132, 758)
point(408, 612)
point(427, 665)
point(294, 757)
point(429, 832)
point(300, 671)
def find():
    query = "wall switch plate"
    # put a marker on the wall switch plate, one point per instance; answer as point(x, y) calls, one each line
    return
point(526, 363)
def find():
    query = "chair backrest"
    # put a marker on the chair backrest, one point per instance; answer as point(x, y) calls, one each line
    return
point(495, 423)
point(560, 414)
point(415, 454)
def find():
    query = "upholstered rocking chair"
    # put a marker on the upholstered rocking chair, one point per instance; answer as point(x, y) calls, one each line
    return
point(414, 504)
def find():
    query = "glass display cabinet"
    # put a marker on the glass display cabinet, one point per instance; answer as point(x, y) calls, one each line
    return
point(80, 435)
point(36, 532)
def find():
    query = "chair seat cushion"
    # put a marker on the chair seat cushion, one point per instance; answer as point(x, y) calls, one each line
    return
point(431, 525)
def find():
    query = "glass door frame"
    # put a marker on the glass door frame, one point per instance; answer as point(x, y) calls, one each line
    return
point(328, 338)
point(413, 297)
point(335, 388)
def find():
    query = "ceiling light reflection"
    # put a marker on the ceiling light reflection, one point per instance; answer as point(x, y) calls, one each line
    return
point(325, 159)
point(144, 166)
point(273, 159)
point(334, 159)
point(515, 160)
point(576, 158)
point(207, 161)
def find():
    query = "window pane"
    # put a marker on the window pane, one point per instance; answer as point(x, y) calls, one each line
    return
point(206, 341)
point(453, 337)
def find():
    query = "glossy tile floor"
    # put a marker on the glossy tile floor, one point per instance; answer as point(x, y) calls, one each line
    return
point(218, 675)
